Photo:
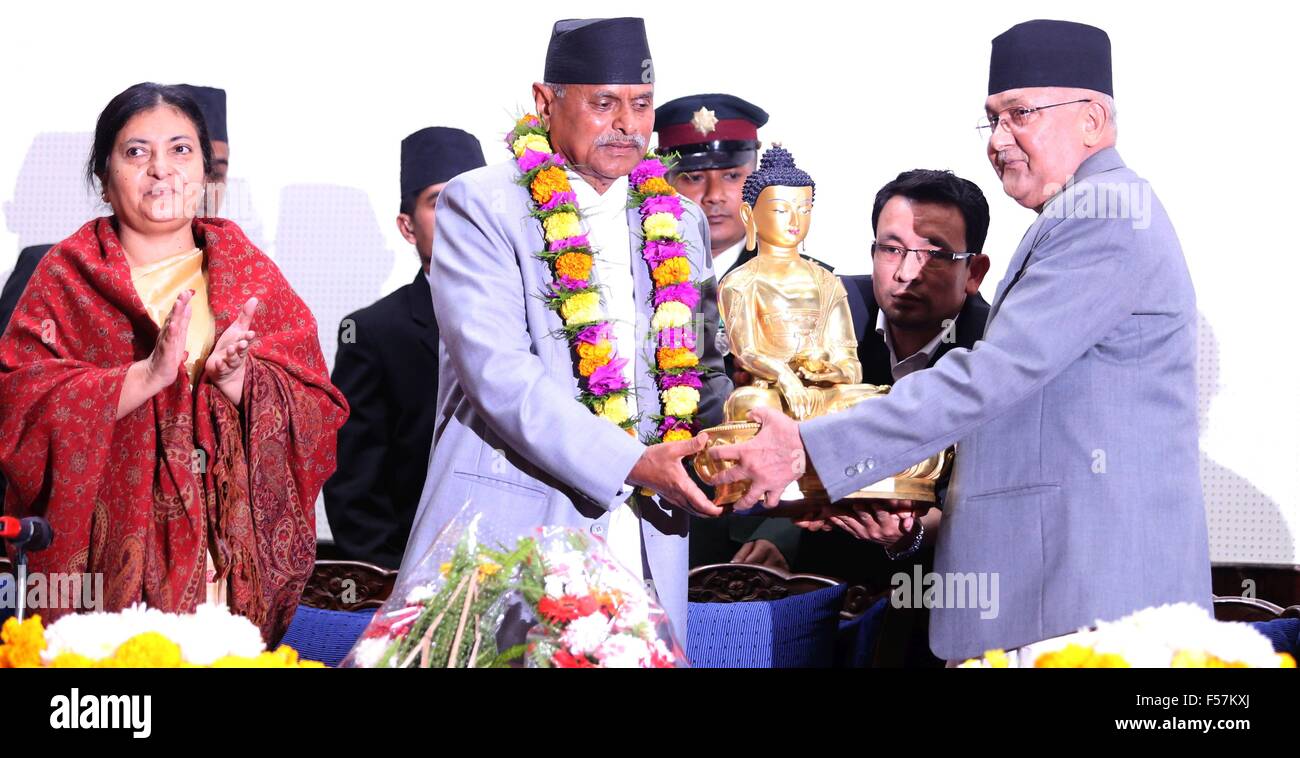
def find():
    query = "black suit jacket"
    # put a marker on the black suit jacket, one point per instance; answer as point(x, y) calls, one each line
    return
point(873, 353)
point(17, 281)
point(389, 374)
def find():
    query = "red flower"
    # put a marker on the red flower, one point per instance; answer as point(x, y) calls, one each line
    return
point(558, 611)
point(563, 660)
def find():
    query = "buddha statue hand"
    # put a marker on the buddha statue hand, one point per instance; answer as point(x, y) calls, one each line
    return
point(819, 371)
point(801, 400)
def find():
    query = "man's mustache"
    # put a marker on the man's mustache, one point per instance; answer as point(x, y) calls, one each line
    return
point(621, 140)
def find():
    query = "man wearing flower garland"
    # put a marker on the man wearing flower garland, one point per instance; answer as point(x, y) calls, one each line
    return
point(1076, 487)
point(569, 283)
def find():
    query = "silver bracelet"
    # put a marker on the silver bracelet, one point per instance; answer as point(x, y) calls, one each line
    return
point(911, 548)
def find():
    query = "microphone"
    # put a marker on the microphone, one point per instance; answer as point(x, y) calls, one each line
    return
point(28, 534)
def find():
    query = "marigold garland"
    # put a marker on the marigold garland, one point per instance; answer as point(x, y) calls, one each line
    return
point(572, 294)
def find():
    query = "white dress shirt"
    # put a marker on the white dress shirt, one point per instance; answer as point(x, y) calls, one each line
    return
point(605, 217)
point(918, 360)
point(727, 258)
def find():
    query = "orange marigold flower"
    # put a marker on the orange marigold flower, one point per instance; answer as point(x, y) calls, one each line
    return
point(676, 435)
point(574, 265)
point(594, 356)
point(548, 181)
point(22, 643)
point(675, 357)
point(656, 186)
point(672, 271)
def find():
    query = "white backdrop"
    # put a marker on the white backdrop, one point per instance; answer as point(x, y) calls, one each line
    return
point(321, 93)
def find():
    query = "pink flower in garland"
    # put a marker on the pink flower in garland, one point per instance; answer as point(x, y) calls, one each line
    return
point(670, 423)
point(685, 379)
point(568, 243)
point(558, 199)
point(677, 337)
point(657, 251)
point(662, 204)
point(608, 378)
point(685, 293)
point(569, 283)
point(531, 159)
point(595, 333)
point(647, 169)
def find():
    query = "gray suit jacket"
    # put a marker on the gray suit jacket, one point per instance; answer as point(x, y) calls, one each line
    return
point(511, 439)
point(1076, 482)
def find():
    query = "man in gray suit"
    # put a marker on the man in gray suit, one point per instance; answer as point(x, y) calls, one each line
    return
point(512, 443)
point(1076, 494)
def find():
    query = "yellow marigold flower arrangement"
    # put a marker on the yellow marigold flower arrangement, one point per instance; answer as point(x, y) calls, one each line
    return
point(562, 225)
point(581, 309)
point(22, 643)
point(147, 650)
point(656, 186)
point(660, 226)
point(669, 315)
point(615, 409)
point(535, 142)
point(676, 435)
point(681, 401)
point(548, 181)
point(592, 357)
point(672, 271)
point(574, 265)
point(676, 357)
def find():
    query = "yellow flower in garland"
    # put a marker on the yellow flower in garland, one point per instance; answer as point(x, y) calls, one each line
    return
point(672, 271)
point(656, 186)
point(71, 661)
point(592, 357)
point(573, 265)
point(22, 643)
point(660, 226)
point(561, 225)
point(486, 568)
point(614, 409)
point(547, 181)
point(535, 142)
point(581, 309)
point(1286, 660)
point(676, 435)
point(681, 401)
point(670, 358)
point(670, 314)
point(147, 650)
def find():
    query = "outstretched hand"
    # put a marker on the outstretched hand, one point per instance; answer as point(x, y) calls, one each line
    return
point(770, 461)
point(660, 469)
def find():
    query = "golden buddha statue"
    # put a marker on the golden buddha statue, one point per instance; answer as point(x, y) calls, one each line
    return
point(789, 326)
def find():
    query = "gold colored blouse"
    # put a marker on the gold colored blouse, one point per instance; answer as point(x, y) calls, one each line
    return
point(161, 282)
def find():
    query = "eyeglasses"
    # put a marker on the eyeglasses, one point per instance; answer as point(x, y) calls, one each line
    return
point(895, 254)
point(1017, 118)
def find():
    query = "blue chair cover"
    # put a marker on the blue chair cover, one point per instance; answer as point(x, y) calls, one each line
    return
point(795, 632)
point(325, 636)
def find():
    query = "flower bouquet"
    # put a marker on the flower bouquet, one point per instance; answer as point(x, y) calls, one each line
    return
point(553, 598)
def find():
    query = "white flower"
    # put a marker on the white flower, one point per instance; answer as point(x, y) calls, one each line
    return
point(670, 314)
point(419, 594)
point(584, 635)
point(211, 632)
point(624, 651)
point(370, 651)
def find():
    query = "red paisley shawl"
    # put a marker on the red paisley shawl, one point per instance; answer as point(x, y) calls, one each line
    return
point(140, 499)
